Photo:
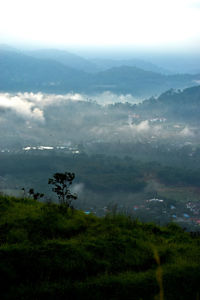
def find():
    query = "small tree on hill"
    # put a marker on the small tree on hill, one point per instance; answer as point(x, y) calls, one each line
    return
point(61, 183)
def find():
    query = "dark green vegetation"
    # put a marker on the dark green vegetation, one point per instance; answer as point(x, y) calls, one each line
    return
point(22, 73)
point(100, 173)
point(49, 252)
point(104, 181)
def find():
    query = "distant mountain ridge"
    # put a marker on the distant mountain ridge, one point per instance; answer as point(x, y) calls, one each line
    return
point(20, 72)
point(127, 79)
point(94, 65)
point(66, 58)
point(105, 64)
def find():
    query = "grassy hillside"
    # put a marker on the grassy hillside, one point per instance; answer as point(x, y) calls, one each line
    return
point(49, 252)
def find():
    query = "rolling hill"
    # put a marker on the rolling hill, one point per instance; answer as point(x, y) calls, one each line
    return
point(174, 105)
point(66, 58)
point(20, 72)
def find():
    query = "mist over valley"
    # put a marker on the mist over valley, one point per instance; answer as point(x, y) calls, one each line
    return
point(124, 150)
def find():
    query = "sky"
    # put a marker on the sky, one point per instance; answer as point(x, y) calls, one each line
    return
point(141, 23)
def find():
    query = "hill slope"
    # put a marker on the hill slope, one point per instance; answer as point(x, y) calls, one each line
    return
point(105, 64)
point(174, 105)
point(127, 79)
point(66, 58)
point(24, 73)
point(48, 252)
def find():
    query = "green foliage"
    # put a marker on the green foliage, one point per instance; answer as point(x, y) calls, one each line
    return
point(46, 251)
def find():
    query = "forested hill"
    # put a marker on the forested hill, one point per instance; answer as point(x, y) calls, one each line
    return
point(127, 79)
point(174, 104)
point(47, 251)
point(189, 96)
point(21, 73)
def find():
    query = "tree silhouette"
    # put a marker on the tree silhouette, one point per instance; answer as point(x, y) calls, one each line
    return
point(35, 196)
point(61, 183)
point(32, 194)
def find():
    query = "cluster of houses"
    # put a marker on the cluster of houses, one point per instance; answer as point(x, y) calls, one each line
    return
point(70, 149)
point(158, 120)
point(188, 213)
point(194, 208)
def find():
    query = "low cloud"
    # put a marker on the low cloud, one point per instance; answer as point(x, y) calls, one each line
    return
point(50, 119)
point(32, 105)
point(21, 106)
point(110, 98)
point(78, 188)
point(186, 132)
point(143, 126)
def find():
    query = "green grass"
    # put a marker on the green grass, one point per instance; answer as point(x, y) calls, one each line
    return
point(46, 251)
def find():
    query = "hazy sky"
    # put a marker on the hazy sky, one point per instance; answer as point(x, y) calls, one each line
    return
point(101, 22)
